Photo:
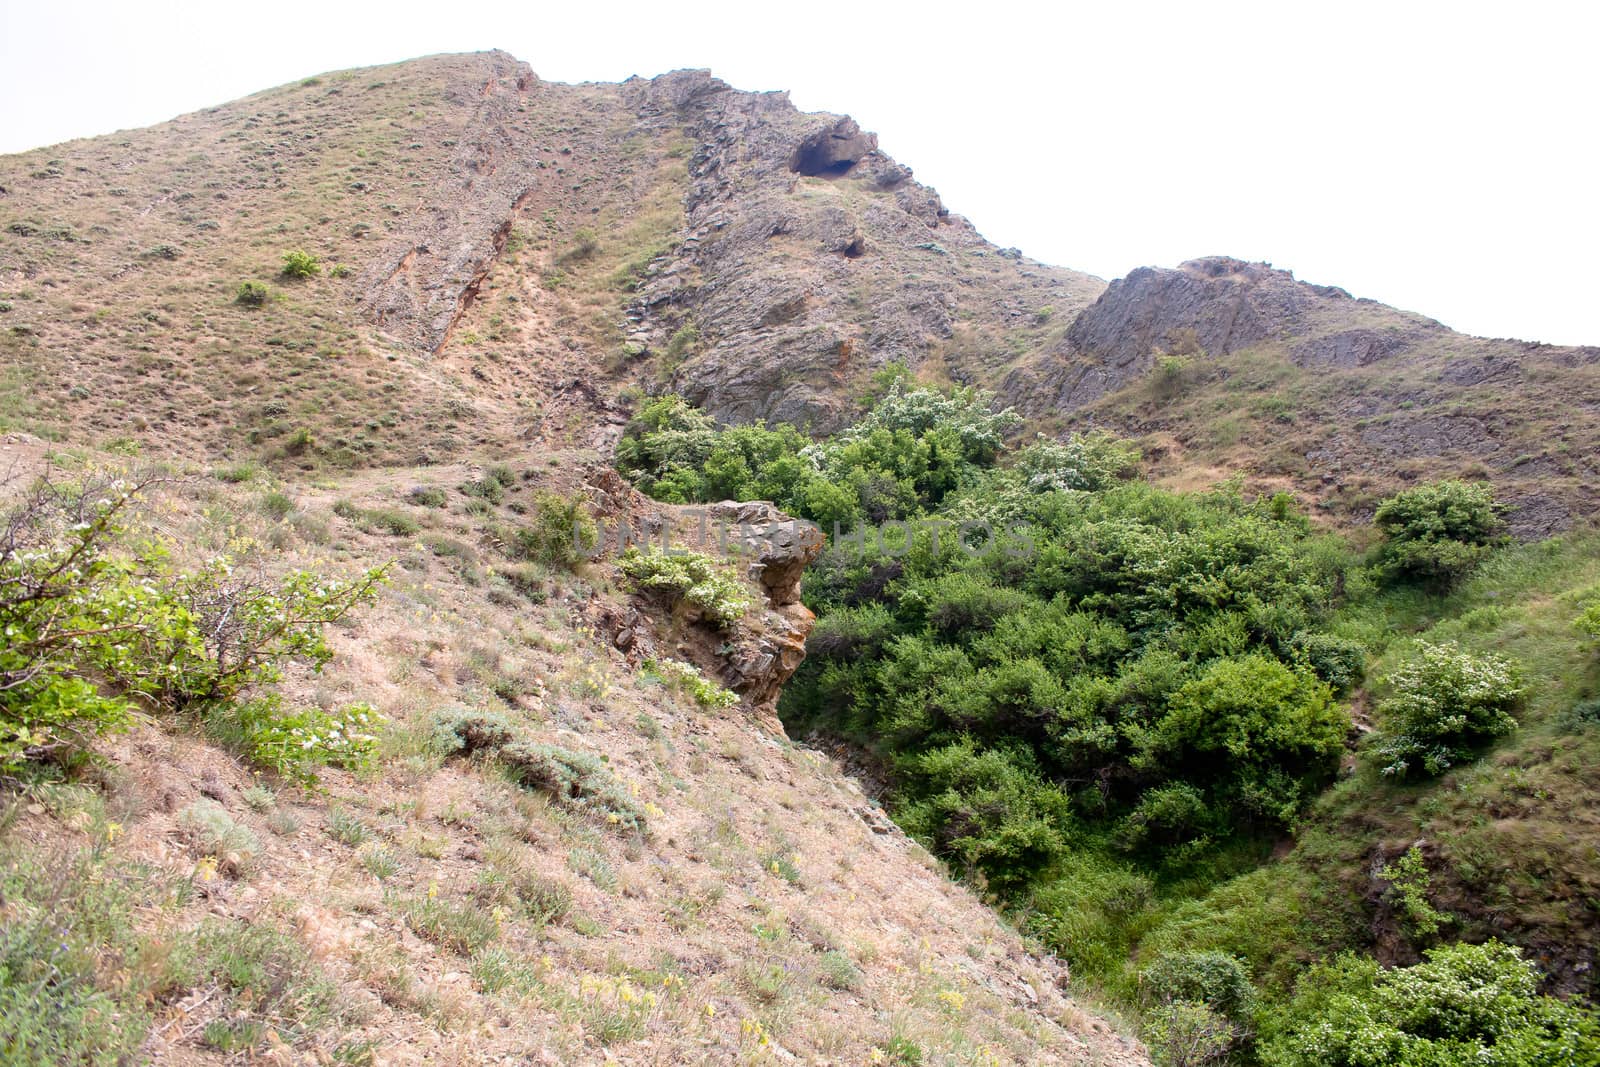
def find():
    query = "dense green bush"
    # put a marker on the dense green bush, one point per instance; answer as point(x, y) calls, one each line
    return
point(1445, 704)
point(1216, 979)
point(1188, 1033)
point(987, 808)
point(1260, 735)
point(1438, 533)
point(294, 742)
point(251, 294)
point(1466, 1004)
point(905, 456)
point(1135, 656)
point(1339, 661)
point(1589, 621)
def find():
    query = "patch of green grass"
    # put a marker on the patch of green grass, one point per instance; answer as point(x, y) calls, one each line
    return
point(457, 926)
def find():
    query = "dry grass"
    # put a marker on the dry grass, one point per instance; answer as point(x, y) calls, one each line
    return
point(463, 919)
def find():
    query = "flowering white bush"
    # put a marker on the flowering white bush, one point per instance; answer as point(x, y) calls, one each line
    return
point(966, 412)
point(1446, 702)
point(1082, 462)
point(295, 742)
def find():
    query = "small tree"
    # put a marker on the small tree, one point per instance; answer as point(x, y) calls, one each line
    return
point(1446, 702)
point(95, 622)
point(1438, 534)
point(1409, 885)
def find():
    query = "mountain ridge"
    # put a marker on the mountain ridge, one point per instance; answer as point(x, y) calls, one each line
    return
point(787, 260)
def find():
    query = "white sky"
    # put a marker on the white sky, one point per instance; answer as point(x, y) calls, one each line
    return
point(1438, 157)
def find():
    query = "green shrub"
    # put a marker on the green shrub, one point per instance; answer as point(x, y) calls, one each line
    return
point(585, 243)
point(72, 591)
point(1189, 1033)
point(1589, 621)
point(1466, 1004)
point(299, 442)
point(487, 489)
point(428, 496)
point(1339, 661)
point(467, 732)
point(681, 345)
point(213, 832)
point(575, 780)
point(987, 809)
point(1408, 887)
point(839, 971)
point(560, 533)
point(542, 900)
point(1216, 979)
point(294, 743)
point(1581, 716)
point(1091, 462)
point(1262, 737)
point(252, 294)
point(393, 523)
point(237, 473)
point(1439, 533)
point(686, 678)
point(690, 578)
point(300, 264)
point(459, 927)
point(1445, 704)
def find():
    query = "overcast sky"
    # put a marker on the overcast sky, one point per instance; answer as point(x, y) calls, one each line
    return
point(1441, 158)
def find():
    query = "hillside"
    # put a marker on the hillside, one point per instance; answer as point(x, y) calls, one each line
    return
point(442, 317)
point(457, 359)
point(514, 256)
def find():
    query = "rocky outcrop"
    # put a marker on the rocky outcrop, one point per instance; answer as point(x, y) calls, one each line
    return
point(767, 645)
point(1217, 304)
point(769, 649)
point(834, 151)
point(423, 279)
point(779, 547)
point(811, 259)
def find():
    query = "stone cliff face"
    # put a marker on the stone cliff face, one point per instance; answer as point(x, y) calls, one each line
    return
point(811, 258)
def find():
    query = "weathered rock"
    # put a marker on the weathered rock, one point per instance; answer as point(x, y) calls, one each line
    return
point(1221, 304)
point(780, 547)
point(757, 237)
point(766, 656)
point(418, 286)
point(833, 151)
point(1352, 348)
